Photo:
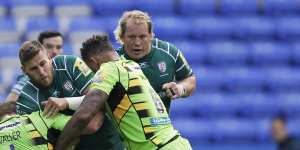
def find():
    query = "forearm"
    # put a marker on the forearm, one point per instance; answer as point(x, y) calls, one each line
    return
point(189, 84)
point(12, 96)
point(91, 104)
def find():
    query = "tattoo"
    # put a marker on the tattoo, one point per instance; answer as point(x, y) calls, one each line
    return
point(93, 101)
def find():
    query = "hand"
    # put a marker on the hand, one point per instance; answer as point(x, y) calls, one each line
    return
point(174, 90)
point(8, 107)
point(53, 105)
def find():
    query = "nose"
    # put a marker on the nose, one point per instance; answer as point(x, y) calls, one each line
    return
point(42, 72)
point(137, 41)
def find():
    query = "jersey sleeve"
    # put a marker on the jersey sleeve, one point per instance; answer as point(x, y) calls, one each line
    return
point(81, 74)
point(21, 81)
point(25, 105)
point(183, 69)
point(105, 78)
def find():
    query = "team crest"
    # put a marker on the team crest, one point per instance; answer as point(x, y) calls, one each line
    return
point(68, 86)
point(162, 66)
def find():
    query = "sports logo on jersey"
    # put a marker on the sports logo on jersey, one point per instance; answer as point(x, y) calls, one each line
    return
point(162, 66)
point(68, 86)
point(82, 67)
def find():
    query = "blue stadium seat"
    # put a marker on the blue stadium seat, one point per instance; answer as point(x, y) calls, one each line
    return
point(227, 53)
point(270, 53)
point(37, 24)
point(238, 7)
point(233, 130)
point(68, 49)
point(194, 130)
point(42, 23)
point(216, 105)
point(244, 79)
point(112, 7)
point(196, 7)
point(194, 52)
point(211, 28)
point(29, 8)
point(257, 105)
point(187, 107)
point(209, 78)
point(254, 28)
point(82, 28)
point(8, 30)
point(296, 52)
point(290, 104)
point(171, 28)
point(72, 8)
point(156, 7)
point(3, 8)
point(293, 127)
point(281, 7)
point(283, 79)
point(9, 50)
point(288, 28)
point(235, 146)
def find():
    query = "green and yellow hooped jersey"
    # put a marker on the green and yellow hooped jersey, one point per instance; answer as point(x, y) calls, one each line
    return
point(29, 132)
point(136, 108)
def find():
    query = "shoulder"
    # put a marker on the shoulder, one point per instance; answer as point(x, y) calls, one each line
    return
point(165, 47)
point(61, 61)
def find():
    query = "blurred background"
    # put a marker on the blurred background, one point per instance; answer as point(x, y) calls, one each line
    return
point(245, 54)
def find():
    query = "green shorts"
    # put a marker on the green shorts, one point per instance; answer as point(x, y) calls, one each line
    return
point(179, 144)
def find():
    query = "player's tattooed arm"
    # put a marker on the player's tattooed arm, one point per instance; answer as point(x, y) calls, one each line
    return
point(92, 103)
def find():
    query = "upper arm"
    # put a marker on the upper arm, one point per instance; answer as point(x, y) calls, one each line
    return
point(183, 69)
point(81, 74)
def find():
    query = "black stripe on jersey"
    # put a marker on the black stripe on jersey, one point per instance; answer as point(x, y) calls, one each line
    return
point(149, 135)
point(116, 96)
point(39, 141)
point(28, 121)
point(134, 90)
point(143, 113)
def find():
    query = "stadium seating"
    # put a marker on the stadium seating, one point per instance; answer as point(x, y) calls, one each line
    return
point(281, 7)
point(196, 7)
point(238, 7)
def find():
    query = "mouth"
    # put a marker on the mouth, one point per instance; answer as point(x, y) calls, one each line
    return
point(137, 51)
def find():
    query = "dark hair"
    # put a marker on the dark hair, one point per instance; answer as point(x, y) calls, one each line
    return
point(48, 34)
point(28, 50)
point(95, 45)
point(280, 117)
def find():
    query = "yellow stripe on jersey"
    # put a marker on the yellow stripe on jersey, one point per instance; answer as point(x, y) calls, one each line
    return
point(149, 129)
point(50, 146)
point(134, 82)
point(35, 134)
point(156, 141)
point(140, 106)
point(122, 108)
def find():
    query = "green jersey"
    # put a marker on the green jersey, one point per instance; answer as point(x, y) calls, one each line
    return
point(136, 108)
point(29, 132)
point(71, 77)
point(165, 63)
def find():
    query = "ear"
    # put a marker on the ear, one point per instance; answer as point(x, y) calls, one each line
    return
point(23, 69)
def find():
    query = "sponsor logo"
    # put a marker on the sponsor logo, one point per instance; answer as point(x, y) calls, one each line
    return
point(11, 125)
point(68, 86)
point(13, 136)
point(160, 121)
point(162, 66)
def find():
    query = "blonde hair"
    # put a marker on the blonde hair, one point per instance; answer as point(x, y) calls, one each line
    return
point(138, 16)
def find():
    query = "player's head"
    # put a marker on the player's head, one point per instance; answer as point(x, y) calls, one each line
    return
point(36, 63)
point(52, 41)
point(135, 33)
point(279, 129)
point(97, 50)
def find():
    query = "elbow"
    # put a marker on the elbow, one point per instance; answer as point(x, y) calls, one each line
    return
point(83, 119)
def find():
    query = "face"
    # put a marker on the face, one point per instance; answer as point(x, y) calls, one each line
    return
point(279, 132)
point(53, 45)
point(39, 69)
point(137, 39)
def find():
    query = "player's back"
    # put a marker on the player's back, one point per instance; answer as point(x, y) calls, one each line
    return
point(137, 109)
point(28, 132)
